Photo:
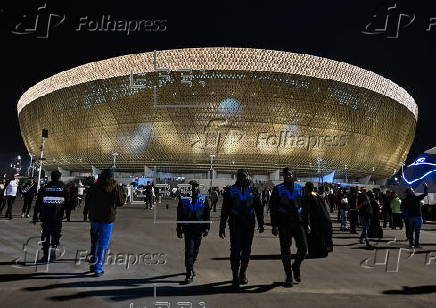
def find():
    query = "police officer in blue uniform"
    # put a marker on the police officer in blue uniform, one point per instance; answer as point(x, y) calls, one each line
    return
point(287, 222)
point(192, 211)
point(50, 207)
point(241, 204)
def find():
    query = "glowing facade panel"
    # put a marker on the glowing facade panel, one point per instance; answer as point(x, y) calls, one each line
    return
point(258, 109)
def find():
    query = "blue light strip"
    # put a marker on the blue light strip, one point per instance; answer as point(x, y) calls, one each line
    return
point(420, 161)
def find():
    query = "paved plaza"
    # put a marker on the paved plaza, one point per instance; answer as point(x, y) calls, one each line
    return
point(390, 275)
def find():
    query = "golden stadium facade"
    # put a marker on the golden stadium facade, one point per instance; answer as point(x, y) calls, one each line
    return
point(252, 108)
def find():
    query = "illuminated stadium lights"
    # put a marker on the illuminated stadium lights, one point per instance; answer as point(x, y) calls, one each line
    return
point(102, 111)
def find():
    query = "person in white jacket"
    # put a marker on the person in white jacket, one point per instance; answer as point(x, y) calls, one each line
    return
point(11, 194)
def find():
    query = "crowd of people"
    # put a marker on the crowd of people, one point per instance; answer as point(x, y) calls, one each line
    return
point(357, 206)
point(299, 214)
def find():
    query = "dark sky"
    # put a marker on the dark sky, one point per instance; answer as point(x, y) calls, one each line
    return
point(331, 29)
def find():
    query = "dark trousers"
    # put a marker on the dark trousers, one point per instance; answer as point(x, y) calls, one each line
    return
point(365, 220)
point(241, 238)
point(148, 202)
point(415, 224)
point(2, 203)
point(214, 205)
point(27, 205)
point(387, 218)
point(51, 234)
point(406, 224)
point(397, 220)
point(68, 213)
point(353, 213)
point(192, 247)
point(10, 200)
point(286, 233)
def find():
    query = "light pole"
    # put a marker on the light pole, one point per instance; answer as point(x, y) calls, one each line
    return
point(18, 163)
point(30, 170)
point(212, 156)
point(346, 174)
point(114, 155)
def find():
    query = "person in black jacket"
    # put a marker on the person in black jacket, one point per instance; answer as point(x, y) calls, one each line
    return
point(196, 209)
point(28, 191)
point(365, 215)
point(2, 196)
point(386, 209)
point(374, 229)
point(287, 222)
point(49, 206)
point(148, 196)
point(353, 211)
point(102, 200)
point(412, 203)
point(316, 216)
point(241, 204)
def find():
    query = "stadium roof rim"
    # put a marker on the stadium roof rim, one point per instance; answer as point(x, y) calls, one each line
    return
point(222, 58)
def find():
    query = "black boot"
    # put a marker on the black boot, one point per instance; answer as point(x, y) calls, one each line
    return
point(289, 281)
point(296, 270)
point(242, 275)
point(44, 258)
point(243, 278)
point(189, 276)
point(235, 281)
point(53, 253)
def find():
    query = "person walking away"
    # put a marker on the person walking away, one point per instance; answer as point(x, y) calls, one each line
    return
point(214, 198)
point(49, 206)
point(353, 210)
point(86, 207)
point(286, 221)
point(148, 191)
point(80, 192)
point(386, 209)
point(395, 206)
point(28, 192)
point(102, 200)
point(73, 200)
point(375, 230)
point(2, 195)
point(331, 197)
point(343, 209)
point(365, 214)
point(412, 203)
point(10, 194)
point(196, 209)
point(241, 205)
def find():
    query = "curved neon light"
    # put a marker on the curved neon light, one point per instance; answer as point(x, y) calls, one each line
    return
point(419, 161)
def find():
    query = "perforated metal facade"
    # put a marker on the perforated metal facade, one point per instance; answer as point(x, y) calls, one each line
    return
point(258, 109)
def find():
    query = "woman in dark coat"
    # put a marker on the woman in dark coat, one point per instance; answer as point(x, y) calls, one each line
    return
point(316, 215)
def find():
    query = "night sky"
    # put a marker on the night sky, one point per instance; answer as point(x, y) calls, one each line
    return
point(331, 29)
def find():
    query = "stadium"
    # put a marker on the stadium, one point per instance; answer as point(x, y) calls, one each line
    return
point(179, 110)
